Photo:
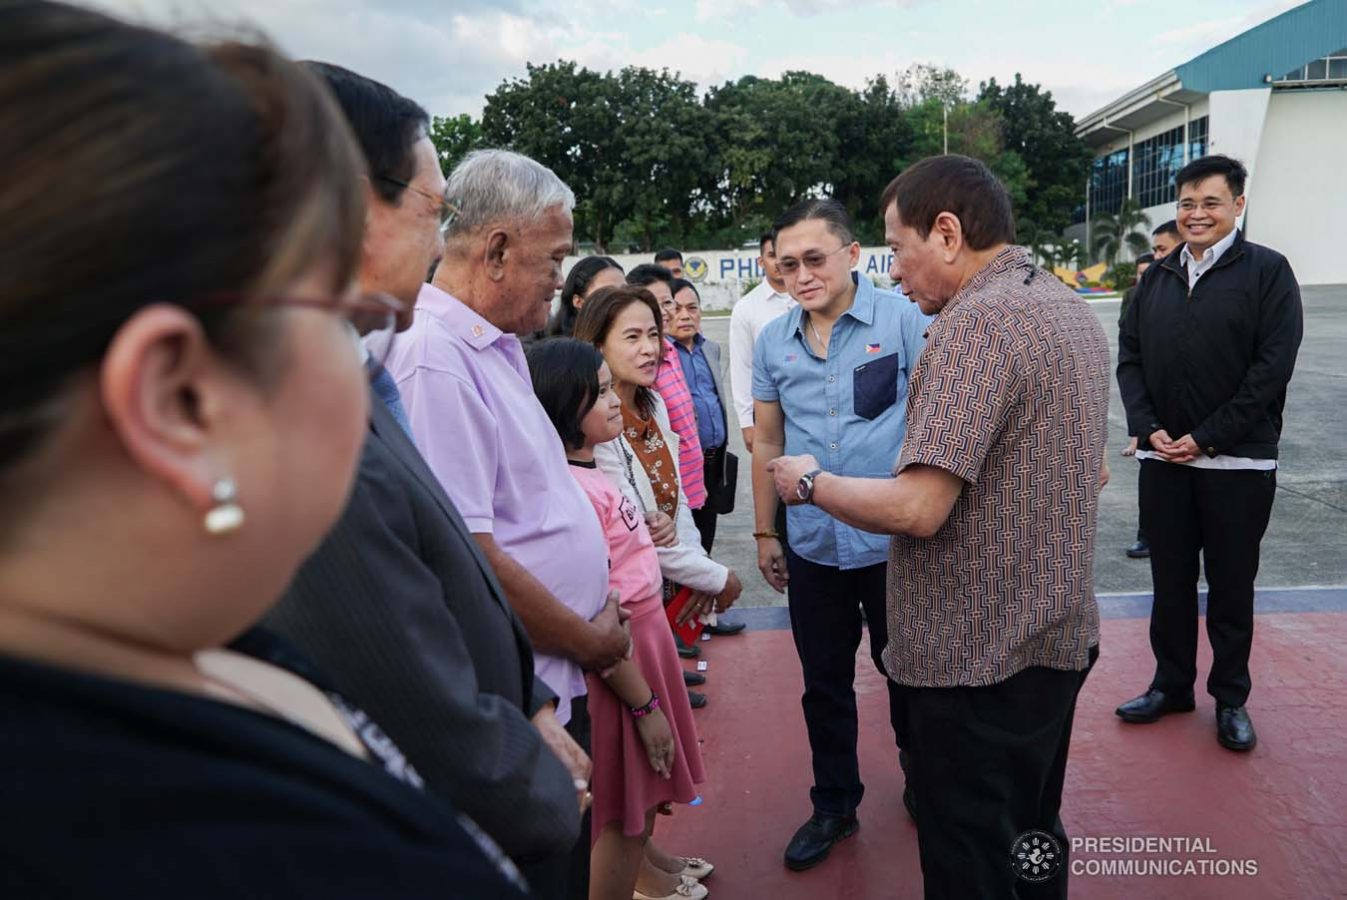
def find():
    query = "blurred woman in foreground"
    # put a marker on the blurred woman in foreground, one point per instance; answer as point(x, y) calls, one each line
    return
point(181, 408)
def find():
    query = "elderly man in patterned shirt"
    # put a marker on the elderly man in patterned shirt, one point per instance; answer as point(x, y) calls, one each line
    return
point(992, 618)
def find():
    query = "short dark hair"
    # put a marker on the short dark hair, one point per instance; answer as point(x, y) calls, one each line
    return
point(577, 283)
point(1170, 227)
point(833, 215)
point(669, 253)
point(767, 238)
point(955, 184)
point(682, 284)
point(565, 374)
point(1146, 258)
point(648, 273)
point(596, 320)
point(386, 125)
point(1217, 164)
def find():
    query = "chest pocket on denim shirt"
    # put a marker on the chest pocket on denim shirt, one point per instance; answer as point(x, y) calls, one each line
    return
point(874, 386)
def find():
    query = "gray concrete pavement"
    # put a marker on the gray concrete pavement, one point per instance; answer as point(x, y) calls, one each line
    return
point(1306, 542)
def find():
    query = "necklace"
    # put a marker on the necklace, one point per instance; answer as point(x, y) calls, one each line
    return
point(631, 474)
point(823, 345)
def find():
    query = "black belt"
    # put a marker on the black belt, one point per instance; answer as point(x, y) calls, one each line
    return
point(713, 452)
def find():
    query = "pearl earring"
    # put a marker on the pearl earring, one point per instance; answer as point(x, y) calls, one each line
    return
point(226, 515)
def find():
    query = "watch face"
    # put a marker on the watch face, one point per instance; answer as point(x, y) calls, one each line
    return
point(802, 490)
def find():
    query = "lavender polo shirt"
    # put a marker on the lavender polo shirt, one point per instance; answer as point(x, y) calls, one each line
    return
point(466, 387)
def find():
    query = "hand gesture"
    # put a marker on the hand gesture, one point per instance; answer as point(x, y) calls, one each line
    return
point(786, 472)
point(662, 529)
point(654, 731)
point(772, 563)
point(612, 639)
point(730, 593)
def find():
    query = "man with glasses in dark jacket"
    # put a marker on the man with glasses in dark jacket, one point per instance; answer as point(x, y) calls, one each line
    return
point(1204, 356)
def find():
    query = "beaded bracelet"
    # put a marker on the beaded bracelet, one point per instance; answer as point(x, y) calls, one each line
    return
point(651, 705)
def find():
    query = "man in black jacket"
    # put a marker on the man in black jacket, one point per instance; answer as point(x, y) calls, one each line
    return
point(1204, 356)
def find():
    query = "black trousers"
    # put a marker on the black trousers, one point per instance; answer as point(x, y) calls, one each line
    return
point(986, 764)
point(825, 618)
point(713, 468)
point(566, 875)
point(1219, 516)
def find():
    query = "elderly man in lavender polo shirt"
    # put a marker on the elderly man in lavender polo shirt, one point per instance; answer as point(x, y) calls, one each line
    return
point(466, 388)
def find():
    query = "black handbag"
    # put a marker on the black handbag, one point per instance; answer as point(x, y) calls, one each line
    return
point(720, 496)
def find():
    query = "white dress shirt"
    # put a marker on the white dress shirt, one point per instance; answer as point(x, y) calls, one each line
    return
point(747, 319)
point(1199, 267)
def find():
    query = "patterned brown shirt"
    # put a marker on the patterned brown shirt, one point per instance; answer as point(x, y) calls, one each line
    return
point(1011, 395)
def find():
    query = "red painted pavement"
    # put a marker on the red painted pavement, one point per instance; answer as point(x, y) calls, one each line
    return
point(1283, 805)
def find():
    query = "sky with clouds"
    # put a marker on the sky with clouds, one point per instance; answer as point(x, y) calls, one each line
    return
point(448, 54)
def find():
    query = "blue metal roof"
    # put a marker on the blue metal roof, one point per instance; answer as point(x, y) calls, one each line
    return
point(1274, 48)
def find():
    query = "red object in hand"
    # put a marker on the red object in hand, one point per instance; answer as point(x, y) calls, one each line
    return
point(690, 630)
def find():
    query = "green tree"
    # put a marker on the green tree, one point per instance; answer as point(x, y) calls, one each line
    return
point(455, 137)
point(876, 138)
point(1056, 161)
point(568, 118)
point(776, 142)
point(1113, 232)
point(666, 147)
point(920, 83)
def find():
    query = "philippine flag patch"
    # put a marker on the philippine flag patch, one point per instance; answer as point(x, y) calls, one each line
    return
point(871, 348)
point(790, 357)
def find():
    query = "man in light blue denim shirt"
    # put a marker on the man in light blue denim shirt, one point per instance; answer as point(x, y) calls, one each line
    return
point(830, 379)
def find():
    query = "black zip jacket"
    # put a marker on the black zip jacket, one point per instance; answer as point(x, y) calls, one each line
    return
point(1212, 362)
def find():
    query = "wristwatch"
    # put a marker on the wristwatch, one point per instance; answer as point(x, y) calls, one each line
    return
point(805, 489)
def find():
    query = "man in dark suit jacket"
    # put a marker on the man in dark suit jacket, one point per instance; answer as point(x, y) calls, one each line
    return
point(398, 605)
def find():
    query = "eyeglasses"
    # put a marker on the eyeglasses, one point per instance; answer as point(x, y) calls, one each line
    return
point(813, 260)
point(374, 318)
point(1207, 205)
point(448, 211)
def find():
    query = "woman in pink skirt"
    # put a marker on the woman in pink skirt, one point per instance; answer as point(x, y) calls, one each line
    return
point(644, 741)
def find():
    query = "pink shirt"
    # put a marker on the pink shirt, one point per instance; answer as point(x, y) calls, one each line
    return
point(466, 387)
point(633, 564)
point(671, 385)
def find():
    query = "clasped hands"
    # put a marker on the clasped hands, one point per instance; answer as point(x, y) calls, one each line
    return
point(1183, 450)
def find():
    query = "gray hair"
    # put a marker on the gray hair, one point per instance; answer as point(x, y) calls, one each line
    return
point(491, 186)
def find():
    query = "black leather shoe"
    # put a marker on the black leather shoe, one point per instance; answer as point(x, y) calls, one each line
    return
point(815, 838)
point(1139, 550)
point(1153, 704)
point(725, 629)
point(696, 700)
point(685, 651)
point(1234, 728)
point(692, 679)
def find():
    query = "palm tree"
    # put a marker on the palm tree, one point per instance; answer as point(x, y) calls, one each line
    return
point(1029, 235)
point(1113, 232)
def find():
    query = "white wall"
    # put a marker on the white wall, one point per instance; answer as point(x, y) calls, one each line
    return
point(1298, 189)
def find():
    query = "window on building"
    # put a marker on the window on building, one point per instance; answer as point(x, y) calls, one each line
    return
point(1197, 138)
point(1108, 183)
point(1158, 160)
point(1332, 67)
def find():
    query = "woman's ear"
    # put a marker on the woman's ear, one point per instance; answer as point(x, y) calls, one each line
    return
point(165, 396)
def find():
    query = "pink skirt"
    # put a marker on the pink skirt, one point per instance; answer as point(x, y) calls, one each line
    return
point(625, 786)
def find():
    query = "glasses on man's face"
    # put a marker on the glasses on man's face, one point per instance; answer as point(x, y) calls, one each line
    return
point(374, 318)
point(447, 210)
point(813, 260)
point(1206, 205)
